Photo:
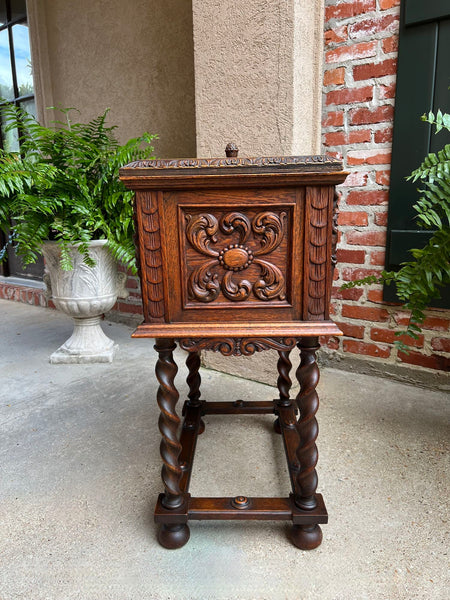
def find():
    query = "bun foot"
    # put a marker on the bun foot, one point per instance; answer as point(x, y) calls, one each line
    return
point(201, 427)
point(277, 426)
point(306, 537)
point(173, 536)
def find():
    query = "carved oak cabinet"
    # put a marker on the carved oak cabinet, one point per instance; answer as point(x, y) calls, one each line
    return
point(236, 256)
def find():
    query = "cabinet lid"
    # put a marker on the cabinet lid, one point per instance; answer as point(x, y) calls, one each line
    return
point(226, 166)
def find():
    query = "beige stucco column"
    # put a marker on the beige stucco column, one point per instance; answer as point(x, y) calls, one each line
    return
point(258, 74)
point(258, 82)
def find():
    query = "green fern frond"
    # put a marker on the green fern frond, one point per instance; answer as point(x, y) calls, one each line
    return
point(420, 281)
point(65, 184)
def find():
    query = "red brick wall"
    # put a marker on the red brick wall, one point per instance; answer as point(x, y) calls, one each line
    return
point(36, 296)
point(361, 43)
point(26, 295)
point(133, 304)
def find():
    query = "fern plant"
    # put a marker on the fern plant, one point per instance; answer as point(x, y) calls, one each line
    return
point(64, 186)
point(419, 281)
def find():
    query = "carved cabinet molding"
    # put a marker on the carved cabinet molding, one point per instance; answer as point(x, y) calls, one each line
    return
point(150, 256)
point(233, 346)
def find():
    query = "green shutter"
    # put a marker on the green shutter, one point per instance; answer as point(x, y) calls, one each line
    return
point(420, 11)
point(423, 79)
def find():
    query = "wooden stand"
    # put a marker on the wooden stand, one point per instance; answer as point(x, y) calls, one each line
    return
point(176, 506)
point(236, 256)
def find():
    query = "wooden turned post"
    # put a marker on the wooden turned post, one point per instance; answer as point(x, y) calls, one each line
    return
point(284, 383)
point(307, 537)
point(169, 536)
point(194, 381)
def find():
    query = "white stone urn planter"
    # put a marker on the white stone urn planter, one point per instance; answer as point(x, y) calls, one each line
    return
point(84, 293)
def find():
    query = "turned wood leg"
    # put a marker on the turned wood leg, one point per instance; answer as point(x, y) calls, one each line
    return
point(194, 381)
point(170, 536)
point(284, 383)
point(307, 537)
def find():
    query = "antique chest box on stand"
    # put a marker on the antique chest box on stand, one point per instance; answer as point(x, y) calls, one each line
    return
point(236, 256)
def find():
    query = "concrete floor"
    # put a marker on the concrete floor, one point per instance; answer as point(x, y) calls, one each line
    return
point(80, 475)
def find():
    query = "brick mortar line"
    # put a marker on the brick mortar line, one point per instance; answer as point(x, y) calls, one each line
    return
point(343, 87)
point(349, 42)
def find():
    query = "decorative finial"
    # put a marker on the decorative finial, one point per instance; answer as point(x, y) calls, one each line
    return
point(231, 150)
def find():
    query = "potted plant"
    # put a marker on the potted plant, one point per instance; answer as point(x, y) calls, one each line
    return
point(60, 196)
point(419, 281)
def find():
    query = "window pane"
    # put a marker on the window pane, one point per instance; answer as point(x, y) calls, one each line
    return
point(6, 83)
point(23, 59)
point(30, 107)
point(10, 140)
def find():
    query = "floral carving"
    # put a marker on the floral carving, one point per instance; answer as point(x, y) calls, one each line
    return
point(236, 221)
point(271, 284)
point(220, 274)
point(270, 226)
point(237, 346)
point(201, 232)
point(205, 282)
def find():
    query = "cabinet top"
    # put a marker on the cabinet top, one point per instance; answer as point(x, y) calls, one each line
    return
point(232, 171)
point(172, 167)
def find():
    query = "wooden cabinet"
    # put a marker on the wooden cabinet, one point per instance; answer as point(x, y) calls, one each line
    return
point(236, 255)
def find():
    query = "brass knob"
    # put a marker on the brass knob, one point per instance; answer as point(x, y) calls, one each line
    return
point(240, 502)
point(231, 150)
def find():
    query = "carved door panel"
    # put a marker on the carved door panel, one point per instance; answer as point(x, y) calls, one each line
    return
point(235, 253)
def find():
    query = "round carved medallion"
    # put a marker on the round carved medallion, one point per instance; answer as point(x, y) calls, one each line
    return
point(235, 257)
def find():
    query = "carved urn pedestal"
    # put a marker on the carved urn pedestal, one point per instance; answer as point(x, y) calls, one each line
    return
point(236, 256)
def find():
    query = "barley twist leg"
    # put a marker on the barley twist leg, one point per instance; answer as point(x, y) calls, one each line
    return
point(169, 421)
point(169, 536)
point(194, 381)
point(310, 536)
point(284, 383)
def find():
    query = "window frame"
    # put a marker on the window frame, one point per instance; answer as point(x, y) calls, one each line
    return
point(33, 272)
point(17, 100)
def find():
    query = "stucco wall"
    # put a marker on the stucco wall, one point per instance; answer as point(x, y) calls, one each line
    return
point(134, 57)
point(258, 75)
